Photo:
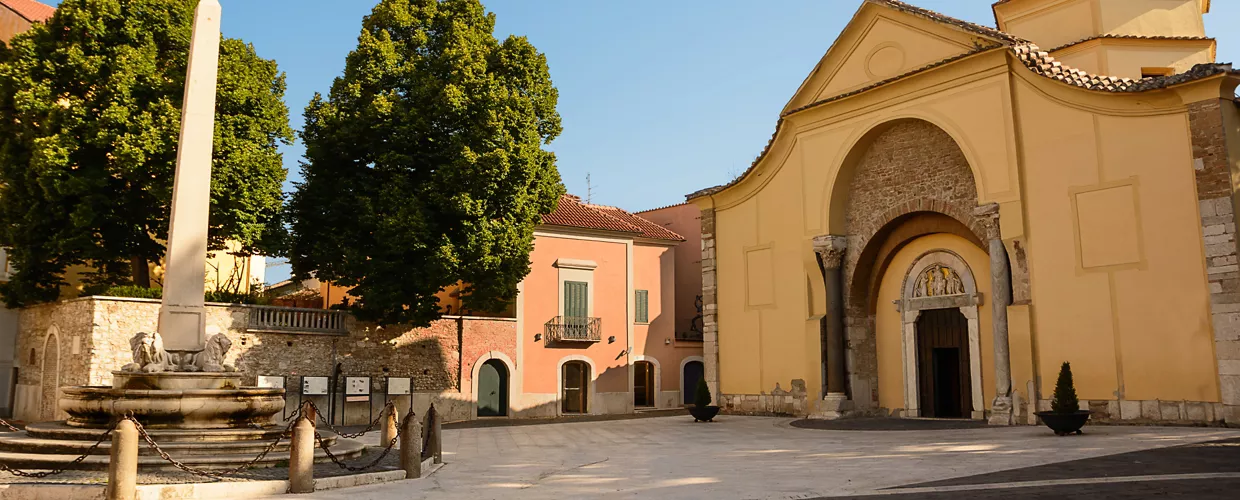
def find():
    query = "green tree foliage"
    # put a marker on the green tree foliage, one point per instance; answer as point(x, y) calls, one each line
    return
point(425, 167)
point(1064, 400)
point(90, 109)
point(701, 398)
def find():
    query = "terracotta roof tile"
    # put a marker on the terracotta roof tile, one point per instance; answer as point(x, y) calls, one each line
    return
point(649, 229)
point(30, 10)
point(571, 212)
point(1029, 54)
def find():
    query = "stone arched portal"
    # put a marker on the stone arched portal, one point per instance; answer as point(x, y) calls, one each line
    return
point(904, 179)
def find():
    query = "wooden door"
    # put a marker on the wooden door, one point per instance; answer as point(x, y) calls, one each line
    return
point(943, 378)
point(576, 377)
point(643, 383)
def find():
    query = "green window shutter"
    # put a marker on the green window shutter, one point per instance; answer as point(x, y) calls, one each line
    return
point(643, 306)
point(576, 299)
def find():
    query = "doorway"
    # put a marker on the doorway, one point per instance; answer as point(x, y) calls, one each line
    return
point(943, 379)
point(493, 389)
point(575, 393)
point(694, 371)
point(643, 384)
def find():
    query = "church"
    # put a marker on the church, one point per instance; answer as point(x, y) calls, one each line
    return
point(947, 212)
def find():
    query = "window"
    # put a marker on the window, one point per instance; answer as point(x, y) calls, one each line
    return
point(642, 306)
point(576, 299)
point(1156, 72)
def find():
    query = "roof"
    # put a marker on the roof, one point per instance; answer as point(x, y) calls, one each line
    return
point(1035, 59)
point(30, 10)
point(571, 212)
point(1131, 37)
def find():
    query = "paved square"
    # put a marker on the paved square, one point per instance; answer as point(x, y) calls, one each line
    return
point(747, 458)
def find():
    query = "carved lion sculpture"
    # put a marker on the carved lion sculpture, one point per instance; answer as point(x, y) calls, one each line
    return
point(148, 354)
point(212, 358)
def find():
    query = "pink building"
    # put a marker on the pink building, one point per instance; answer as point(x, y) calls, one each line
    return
point(596, 322)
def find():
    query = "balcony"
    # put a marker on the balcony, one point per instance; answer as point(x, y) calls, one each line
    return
point(571, 329)
point(271, 319)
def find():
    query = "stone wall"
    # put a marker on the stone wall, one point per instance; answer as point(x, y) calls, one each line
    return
point(102, 326)
point(1218, 228)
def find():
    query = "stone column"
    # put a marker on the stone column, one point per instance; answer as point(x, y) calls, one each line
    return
point(182, 316)
point(710, 308)
point(1000, 298)
point(830, 250)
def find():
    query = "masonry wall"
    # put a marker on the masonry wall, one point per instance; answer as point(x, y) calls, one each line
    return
point(100, 328)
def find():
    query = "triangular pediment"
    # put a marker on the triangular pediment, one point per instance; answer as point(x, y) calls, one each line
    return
point(882, 42)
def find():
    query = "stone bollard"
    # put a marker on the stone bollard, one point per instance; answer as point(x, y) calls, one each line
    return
point(301, 458)
point(390, 420)
point(437, 435)
point(123, 462)
point(411, 447)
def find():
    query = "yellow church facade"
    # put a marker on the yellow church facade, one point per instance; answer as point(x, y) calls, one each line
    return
point(947, 212)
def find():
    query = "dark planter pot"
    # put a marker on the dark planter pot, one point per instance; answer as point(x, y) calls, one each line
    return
point(1064, 423)
point(703, 413)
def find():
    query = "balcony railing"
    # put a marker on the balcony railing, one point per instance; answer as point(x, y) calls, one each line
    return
point(571, 329)
point(296, 320)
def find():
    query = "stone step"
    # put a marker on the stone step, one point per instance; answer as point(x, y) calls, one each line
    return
point(62, 431)
point(19, 443)
point(344, 449)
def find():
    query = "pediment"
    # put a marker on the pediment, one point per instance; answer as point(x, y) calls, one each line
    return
point(881, 43)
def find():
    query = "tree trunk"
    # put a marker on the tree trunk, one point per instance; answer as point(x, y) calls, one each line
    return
point(141, 271)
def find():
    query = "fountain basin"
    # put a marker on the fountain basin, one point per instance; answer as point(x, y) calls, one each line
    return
point(173, 400)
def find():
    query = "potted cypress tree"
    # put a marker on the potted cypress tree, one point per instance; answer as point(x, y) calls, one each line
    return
point(702, 410)
point(1066, 416)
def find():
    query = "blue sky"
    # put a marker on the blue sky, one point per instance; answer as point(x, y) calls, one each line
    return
point(659, 98)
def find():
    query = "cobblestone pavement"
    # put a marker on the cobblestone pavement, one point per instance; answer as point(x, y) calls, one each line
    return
point(756, 457)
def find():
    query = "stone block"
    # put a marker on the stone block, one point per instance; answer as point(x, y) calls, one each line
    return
point(1219, 239)
point(1229, 367)
point(1150, 410)
point(1169, 410)
point(1222, 206)
point(1130, 410)
point(1231, 414)
point(1207, 208)
point(1196, 412)
point(1229, 387)
point(1213, 230)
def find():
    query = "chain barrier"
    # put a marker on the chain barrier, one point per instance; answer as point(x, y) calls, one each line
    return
point(8, 426)
point(150, 442)
point(389, 406)
point(395, 439)
point(42, 474)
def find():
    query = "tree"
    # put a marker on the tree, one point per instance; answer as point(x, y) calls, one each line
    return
point(90, 108)
point(424, 166)
point(1064, 400)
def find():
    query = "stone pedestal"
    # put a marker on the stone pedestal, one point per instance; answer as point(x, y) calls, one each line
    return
point(834, 405)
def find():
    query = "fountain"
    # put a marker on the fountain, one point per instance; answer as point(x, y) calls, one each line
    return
point(178, 386)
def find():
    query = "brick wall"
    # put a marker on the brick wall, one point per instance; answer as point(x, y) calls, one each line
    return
point(913, 166)
point(1218, 229)
point(431, 356)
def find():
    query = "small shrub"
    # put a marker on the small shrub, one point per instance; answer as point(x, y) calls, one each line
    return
point(1065, 400)
point(137, 292)
point(702, 397)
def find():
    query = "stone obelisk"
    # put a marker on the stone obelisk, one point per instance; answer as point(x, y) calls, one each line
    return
point(182, 316)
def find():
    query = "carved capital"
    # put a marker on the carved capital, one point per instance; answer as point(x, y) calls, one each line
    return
point(988, 216)
point(830, 249)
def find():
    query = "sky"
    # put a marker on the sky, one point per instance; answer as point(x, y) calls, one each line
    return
point(659, 98)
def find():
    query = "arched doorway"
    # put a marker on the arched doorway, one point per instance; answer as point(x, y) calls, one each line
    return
point(493, 389)
point(575, 383)
point(643, 384)
point(693, 372)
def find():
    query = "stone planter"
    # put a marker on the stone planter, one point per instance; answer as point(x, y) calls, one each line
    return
point(1064, 423)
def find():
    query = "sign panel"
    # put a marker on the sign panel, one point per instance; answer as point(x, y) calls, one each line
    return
point(399, 386)
point(270, 382)
point(314, 386)
point(357, 386)
point(356, 399)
